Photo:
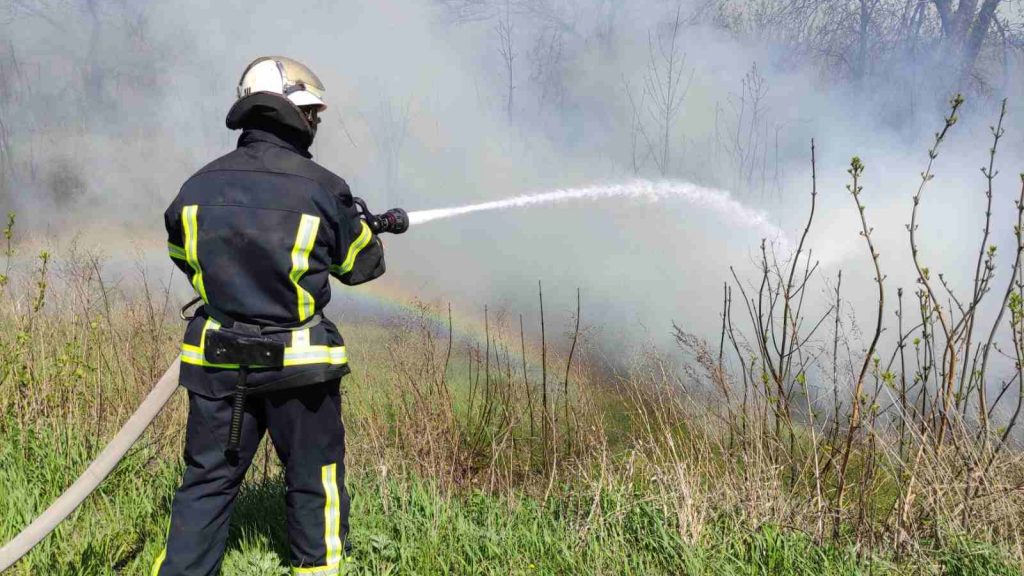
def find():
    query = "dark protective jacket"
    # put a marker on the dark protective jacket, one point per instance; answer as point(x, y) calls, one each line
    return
point(259, 232)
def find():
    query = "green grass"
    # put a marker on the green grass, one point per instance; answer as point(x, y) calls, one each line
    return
point(407, 525)
point(116, 526)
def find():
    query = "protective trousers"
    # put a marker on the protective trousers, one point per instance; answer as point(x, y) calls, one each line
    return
point(309, 437)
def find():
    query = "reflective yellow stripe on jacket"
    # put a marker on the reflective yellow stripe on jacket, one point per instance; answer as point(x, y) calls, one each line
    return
point(300, 353)
point(190, 228)
point(304, 240)
point(176, 252)
point(353, 250)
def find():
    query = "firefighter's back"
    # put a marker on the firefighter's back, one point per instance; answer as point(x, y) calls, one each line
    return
point(260, 223)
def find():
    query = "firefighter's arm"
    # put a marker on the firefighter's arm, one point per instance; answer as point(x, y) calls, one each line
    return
point(359, 254)
point(175, 240)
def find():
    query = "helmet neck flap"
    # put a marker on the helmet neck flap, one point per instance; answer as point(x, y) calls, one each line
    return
point(275, 114)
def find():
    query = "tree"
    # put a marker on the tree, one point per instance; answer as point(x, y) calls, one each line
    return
point(389, 133)
point(862, 40)
point(663, 87)
point(965, 28)
point(506, 48)
point(547, 60)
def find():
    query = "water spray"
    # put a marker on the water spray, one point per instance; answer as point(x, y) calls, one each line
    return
point(718, 201)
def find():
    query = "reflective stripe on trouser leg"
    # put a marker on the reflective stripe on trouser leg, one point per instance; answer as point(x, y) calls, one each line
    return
point(332, 525)
point(334, 570)
point(306, 427)
point(332, 513)
point(155, 571)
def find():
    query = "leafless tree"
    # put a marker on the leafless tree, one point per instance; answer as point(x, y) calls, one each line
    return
point(466, 11)
point(664, 89)
point(389, 132)
point(965, 40)
point(866, 13)
point(5, 166)
point(640, 143)
point(45, 10)
point(744, 135)
point(94, 72)
point(547, 59)
point(506, 47)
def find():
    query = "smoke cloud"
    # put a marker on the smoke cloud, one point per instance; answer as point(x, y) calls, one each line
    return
point(106, 107)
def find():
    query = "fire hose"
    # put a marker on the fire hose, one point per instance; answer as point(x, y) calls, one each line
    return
point(394, 221)
point(100, 468)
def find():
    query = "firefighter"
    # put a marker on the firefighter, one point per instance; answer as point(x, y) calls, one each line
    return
point(259, 232)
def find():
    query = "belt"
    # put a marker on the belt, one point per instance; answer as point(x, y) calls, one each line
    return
point(227, 321)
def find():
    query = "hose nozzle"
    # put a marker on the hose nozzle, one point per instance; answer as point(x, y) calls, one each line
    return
point(394, 221)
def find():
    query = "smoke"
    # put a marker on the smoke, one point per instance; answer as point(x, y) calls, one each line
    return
point(107, 107)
